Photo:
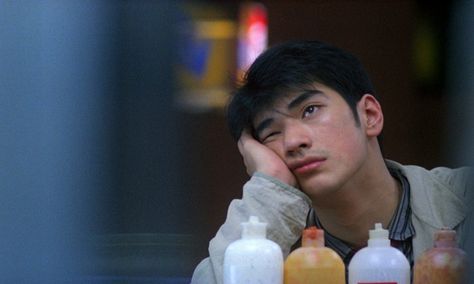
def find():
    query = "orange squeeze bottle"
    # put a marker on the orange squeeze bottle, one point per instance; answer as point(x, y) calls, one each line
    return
point(313, 262)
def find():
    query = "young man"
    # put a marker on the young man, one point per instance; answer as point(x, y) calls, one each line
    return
point(307, 124)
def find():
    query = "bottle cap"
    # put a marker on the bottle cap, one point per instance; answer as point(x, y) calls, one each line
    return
point(378, 236)
point(313, 236)
point(378, 232)
point(253, 228)
point(445, 238)
point(445, 234)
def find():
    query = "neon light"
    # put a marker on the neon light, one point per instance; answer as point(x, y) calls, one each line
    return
point(253, 34)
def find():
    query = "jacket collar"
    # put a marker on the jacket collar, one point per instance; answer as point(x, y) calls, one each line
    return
point(431, 200)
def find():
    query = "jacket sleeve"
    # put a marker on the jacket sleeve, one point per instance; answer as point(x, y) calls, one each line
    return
point(282, 207)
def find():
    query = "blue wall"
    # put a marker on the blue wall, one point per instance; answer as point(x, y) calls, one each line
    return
point(87, 131)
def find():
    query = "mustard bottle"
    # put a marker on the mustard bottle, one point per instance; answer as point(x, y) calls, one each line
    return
point(313, 262)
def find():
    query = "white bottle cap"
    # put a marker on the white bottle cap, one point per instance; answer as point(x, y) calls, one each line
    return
point(378, 235)
point(379, 232)
point(253, 228)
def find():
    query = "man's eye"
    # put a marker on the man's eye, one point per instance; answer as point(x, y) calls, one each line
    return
point(269, 136)
point(310, 110)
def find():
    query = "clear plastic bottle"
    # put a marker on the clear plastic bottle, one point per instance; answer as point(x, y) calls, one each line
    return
point(253, 258)
point(379, 262)
point(313, 262)
point(445, 263)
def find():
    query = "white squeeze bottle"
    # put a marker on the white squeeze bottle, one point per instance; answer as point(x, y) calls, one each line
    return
point(253, 258)
point(379, 262)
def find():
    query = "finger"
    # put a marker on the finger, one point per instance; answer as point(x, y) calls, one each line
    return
point(240, 145)
point(244, 138)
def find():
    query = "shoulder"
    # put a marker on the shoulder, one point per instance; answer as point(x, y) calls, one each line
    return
point(454, 177)
point(441, 196)
point(456, 180)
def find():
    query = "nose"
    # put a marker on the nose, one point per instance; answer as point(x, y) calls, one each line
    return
point(297, 138)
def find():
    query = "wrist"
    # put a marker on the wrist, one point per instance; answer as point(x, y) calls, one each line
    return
point(285, 177)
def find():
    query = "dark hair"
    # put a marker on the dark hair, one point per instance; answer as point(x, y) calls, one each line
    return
point(291, 66)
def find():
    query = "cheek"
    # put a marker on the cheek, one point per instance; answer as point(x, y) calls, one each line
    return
point(344, 137)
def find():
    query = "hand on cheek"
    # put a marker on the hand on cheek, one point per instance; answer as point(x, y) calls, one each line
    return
point(259, 158)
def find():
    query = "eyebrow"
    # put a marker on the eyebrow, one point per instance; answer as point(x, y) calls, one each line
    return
point(298, 100)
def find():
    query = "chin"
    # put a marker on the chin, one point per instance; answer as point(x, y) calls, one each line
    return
point(317, 189)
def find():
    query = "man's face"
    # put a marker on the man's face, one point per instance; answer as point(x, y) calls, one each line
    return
point(315, 133)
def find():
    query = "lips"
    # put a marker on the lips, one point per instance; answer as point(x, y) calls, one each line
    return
point(306, 165)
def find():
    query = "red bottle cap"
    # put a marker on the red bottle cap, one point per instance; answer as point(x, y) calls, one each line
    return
point(313, 236)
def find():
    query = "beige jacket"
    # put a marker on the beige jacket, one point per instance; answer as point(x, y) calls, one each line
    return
point(439, 198)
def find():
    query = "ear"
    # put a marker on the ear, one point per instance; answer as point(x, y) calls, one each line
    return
point(371, 115)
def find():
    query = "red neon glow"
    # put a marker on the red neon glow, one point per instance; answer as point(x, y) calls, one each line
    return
point(253, 34)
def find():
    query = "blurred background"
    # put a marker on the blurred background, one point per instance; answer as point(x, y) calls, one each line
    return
point(116, 165)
